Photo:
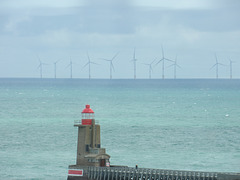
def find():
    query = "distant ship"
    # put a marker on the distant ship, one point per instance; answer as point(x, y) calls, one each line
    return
point(93, 163)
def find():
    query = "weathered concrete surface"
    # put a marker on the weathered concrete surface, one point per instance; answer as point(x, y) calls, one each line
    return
point(228, 176)
point(77, 178)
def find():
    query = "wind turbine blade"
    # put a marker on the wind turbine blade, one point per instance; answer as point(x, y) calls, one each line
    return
point(152, 62)
point(169, 60)
point(178, 66)
point(85, 65)
point(162, 52)
point(170, 65)
point(57, 61)
point(68, 65)
point(88, 57)
point(159, 61)
point(134, 54)
point(151, 68)
point(221, 64)
point(115, 56)
point(94, 63)
point(216, 58)
point(104, 59)
point(232, 61)
point(213, 66)
point(75, 63)
point(38, 59)
point(146, 64)
point(133, 60)
point(112, 66)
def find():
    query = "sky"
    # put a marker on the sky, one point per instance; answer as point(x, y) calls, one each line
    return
point(193, 32)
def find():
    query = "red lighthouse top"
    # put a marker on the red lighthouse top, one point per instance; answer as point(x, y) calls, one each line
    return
point(87, 115)
point(87, 109)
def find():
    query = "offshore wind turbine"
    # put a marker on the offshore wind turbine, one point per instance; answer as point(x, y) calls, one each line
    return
point(134, 63)
point(150, 69)
point(70, 65)
point(216, 65)
point(111, 64)
point(40, 67)
point(55, 68)
point(89, 66)
point(231, 67)
point(175, 65)
point(163, 62)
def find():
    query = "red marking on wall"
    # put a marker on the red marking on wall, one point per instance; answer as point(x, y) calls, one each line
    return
point(86, 121)
point(75, 172)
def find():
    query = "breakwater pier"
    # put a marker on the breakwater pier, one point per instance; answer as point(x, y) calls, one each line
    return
point(128, 173)
point(94, 164)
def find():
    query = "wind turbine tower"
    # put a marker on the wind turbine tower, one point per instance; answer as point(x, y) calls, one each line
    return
point(89, 66)
point(163, 63)
point(111, 64)
point(134, 63)
point(70, 65)
point(175, 65)
point(40, 67)
point(55, 68)
point(231, 68)
point(216, 65)
point(150, 69)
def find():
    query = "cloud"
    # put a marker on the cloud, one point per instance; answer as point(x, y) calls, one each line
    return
point(14, 21)
point(107, 17)
point(175, 4)
point(93, 16)
point(57, 38)
point(28, 4)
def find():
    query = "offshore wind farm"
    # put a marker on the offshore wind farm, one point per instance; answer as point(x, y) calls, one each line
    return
point(160, 66)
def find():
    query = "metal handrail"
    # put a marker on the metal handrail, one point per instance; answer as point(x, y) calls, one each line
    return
point(79, 122)
point(132, 172)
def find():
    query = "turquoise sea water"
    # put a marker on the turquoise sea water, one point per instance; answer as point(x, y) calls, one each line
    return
point(167, 124)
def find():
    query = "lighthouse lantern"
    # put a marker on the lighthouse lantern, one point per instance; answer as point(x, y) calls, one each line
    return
point(87, 115)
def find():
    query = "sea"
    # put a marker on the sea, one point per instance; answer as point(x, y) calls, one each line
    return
point(183, 124)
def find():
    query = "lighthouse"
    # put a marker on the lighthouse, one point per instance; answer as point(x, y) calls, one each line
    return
point(89, 151)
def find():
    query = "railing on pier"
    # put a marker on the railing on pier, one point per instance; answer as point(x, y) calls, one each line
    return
point(127, 173)
point(79, 122)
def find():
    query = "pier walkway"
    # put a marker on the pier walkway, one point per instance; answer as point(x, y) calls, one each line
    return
point(127, 173)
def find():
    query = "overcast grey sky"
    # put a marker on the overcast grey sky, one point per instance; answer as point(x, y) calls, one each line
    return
point(192, 30)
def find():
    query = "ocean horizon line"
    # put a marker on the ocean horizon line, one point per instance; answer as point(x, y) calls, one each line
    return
point(118, 78)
